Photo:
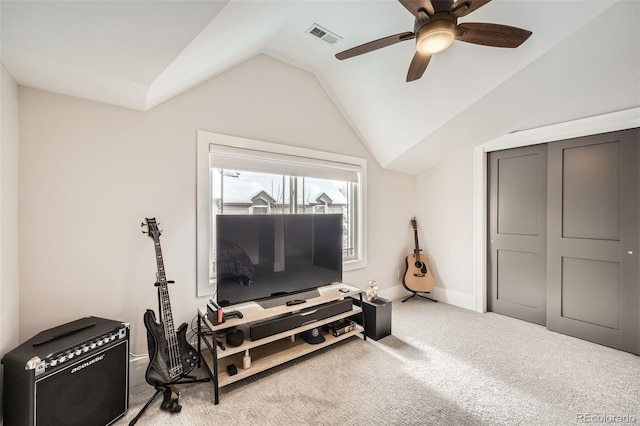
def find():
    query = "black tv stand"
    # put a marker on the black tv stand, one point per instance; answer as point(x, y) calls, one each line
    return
point(296, 302)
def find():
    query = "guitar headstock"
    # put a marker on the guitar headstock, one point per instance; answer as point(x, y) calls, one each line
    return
point(414, 224)
point(152, 228)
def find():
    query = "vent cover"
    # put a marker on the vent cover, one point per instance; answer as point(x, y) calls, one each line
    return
point(323, 34)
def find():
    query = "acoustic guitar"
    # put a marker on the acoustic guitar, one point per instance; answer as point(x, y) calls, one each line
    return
point(418, 276)
point(171, 357)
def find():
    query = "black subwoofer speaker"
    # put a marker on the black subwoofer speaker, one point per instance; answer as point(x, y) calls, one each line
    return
point(76, 374)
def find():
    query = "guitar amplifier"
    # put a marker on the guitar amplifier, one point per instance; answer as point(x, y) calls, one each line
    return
point(76, 374)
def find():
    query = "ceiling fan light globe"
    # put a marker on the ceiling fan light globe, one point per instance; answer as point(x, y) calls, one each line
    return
point(435, 42)
point(435, 37)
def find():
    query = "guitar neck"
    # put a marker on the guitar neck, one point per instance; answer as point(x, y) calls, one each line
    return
point(165, 304)
point(417, 249)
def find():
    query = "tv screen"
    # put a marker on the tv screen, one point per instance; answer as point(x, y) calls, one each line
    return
point(267, 256)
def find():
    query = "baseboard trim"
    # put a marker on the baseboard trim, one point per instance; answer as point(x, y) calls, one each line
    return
point(393, 293)
point(455, 298)
point(137, 370)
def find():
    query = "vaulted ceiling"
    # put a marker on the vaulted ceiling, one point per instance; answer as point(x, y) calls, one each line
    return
point(583, 59)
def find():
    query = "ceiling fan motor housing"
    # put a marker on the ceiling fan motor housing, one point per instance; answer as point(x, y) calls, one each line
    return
point(440, 25)
point(440, 20)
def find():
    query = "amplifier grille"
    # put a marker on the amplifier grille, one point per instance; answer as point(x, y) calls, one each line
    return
point(87, 392)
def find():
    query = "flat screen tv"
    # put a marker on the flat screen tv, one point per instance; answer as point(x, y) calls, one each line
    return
point(267, 258)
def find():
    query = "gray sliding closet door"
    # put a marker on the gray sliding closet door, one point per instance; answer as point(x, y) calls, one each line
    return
point(592, 263)
point(517, 233)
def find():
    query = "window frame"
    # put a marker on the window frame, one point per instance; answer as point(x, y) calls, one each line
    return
point(206, 141)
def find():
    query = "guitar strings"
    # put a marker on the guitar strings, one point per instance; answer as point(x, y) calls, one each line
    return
point(175, 362)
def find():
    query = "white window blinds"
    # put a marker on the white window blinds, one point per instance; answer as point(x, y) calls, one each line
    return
point(234, 158)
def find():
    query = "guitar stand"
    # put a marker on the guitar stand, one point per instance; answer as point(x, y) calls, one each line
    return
point(419, 295)
point(168, 404)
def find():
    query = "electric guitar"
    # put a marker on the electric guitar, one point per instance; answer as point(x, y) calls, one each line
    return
point(418, 276)
point(171, 357)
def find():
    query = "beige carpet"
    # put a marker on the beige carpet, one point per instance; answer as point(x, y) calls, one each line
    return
point(441, 366)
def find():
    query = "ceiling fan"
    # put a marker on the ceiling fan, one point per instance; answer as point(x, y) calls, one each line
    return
point(436, 27)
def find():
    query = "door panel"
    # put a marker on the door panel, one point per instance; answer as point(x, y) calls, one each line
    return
point(591, 196)
point(517, 233)
point(518, 195)
point(590, 291)
point(592, 255)
point(518, 272)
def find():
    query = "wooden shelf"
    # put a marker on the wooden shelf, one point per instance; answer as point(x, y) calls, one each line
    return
point(270, 355)
point(248, 344)
point(273, 350)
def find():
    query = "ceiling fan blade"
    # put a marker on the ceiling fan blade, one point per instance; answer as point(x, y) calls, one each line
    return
point(418, 65)
point(414, 6)
point(465, 7)
point(494, 35)
point(375, 45)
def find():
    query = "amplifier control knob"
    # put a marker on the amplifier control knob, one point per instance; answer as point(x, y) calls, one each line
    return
point(113, 337)
point(78, 351)
point(53, 363)
point(100, 342)
point(62, 359)
point(93, 345)
point(85, 349)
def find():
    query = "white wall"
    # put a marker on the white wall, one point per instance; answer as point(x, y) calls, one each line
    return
point(8, 215)
point(445, 215)
point(90, 173)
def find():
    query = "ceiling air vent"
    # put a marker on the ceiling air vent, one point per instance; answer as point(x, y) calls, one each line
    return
point(323, 34)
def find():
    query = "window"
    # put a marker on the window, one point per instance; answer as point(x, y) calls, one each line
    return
point(242, 176)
